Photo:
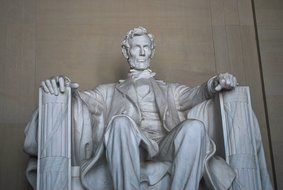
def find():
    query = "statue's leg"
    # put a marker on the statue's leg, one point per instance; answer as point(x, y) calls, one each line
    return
point(122, 141)
point(185, 147)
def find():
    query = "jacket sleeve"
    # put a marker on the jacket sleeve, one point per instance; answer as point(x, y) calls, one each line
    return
point(93, 99)
point(186, 97)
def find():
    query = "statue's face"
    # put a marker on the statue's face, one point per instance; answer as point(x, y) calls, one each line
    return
point(140, 52)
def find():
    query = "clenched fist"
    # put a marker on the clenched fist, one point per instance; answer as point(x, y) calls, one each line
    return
point(224, 81)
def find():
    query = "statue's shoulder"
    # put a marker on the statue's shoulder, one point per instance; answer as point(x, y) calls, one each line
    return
point(103, 88)
point(176, 87)
point(107, 86)
point(168, 84)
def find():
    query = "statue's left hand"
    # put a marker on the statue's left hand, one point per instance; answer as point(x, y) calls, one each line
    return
point(57, 84)
point(224, 81)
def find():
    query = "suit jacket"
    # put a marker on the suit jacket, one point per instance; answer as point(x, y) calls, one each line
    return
point(106, 101)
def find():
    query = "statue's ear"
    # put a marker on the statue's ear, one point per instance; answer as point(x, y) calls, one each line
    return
point(125, 52)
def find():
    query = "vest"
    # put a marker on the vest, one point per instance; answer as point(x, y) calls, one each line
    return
point(151, 124)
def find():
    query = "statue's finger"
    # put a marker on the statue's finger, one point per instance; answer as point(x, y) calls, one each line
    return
point(222, 82)
point(74, 85)
point(228, 83)
point(56, 79)
point(44, 87)
point(61, 82)
point(218, 88)
point(49, 86)
point(234, 82)
point(232, 78)
point(226, 76)
point(55, 87)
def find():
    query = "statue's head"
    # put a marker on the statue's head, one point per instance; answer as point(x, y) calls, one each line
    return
point(138, 48)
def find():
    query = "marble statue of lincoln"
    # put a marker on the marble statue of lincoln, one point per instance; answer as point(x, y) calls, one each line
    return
point(142, 120)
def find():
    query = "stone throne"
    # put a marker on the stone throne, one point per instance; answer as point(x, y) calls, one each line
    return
point(229, 120)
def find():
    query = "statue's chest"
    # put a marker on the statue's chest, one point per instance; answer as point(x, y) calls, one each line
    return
point(145, 94)
point(146, 101)
point(144, 91)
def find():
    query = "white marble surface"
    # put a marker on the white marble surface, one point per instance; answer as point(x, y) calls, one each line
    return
point(54, 141)
point(121, 108)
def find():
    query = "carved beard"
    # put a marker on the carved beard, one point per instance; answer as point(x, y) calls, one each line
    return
point(139, 64)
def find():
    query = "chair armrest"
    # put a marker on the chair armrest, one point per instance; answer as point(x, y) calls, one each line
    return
point(54, 141)
point(239, 125)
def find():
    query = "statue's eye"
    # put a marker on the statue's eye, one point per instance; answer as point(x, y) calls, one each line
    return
point(136, 48)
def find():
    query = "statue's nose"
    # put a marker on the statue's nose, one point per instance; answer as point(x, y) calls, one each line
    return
point(142, 52)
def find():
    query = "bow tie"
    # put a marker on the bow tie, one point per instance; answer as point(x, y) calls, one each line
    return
point(136, 74)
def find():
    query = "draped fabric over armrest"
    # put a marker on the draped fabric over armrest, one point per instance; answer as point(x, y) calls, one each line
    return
point(237, 137)
point(243, 145)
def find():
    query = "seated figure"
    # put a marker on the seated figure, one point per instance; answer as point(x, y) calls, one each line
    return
point(136, 133)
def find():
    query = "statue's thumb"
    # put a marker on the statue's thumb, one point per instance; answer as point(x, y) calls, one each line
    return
point(74, 85)
point(218, 88)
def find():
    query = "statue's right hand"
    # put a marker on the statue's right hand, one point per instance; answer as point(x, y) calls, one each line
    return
point(57, 84)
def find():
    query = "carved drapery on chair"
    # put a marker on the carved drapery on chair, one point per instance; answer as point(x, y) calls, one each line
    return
point(243, 147)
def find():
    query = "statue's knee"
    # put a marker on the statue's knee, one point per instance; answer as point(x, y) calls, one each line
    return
point(121, 131)
point(121, 123)
point(193, 127)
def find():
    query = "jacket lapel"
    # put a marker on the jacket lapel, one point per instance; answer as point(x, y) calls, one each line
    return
point(166, 105)
point(127, 88)
point(160, 92)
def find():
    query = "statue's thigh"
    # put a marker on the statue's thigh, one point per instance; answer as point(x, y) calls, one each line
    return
point(188, 129)
point(121, 126)
point(128, 128)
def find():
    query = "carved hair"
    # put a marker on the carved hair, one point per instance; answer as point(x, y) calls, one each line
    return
point(136, 32)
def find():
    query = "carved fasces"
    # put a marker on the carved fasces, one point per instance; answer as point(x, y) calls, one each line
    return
point(239, 125)
point(54, 141)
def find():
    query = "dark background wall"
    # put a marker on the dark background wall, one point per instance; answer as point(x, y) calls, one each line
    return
point(38, 39)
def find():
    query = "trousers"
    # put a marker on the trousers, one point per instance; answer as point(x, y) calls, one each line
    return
point(184, 147)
